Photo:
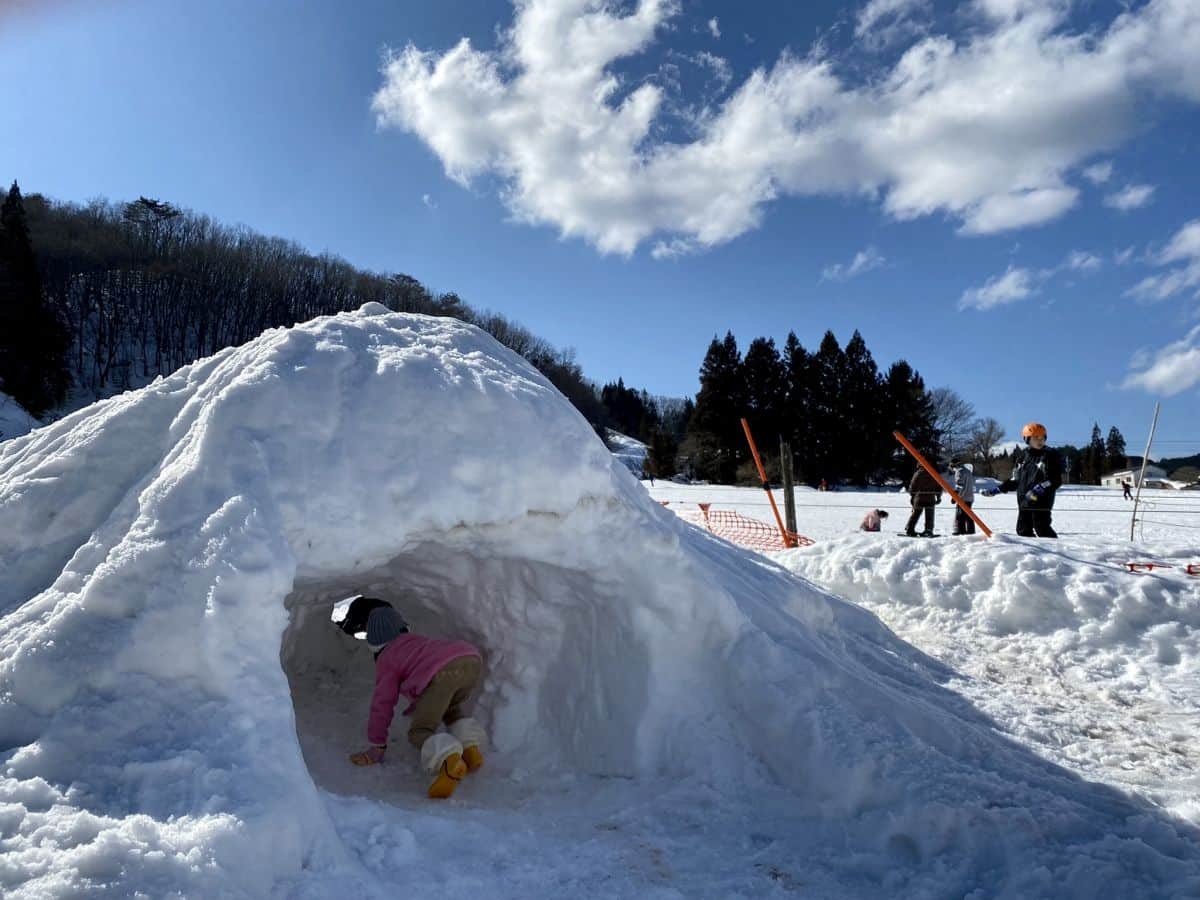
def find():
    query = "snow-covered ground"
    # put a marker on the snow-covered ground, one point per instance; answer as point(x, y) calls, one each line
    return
point(630, 451)
point(671, 716)
point(14, 420)
point(1089, 664)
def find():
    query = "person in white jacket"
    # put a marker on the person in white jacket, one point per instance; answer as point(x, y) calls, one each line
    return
point(964, 486)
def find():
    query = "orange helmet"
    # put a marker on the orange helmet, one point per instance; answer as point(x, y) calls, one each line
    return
point(1034, 429)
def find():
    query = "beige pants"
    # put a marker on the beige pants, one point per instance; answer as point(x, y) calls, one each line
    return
point(443, 700)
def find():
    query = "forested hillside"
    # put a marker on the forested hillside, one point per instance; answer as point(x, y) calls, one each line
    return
point(139, 289)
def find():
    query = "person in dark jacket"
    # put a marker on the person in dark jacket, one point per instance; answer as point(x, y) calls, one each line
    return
point(924, 492)
point(1036, 477)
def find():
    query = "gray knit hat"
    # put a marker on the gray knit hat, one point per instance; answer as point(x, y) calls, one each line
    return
point(384, 624)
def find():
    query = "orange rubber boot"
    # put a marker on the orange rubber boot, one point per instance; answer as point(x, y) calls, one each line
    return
point(448, 777)
point(473, 757)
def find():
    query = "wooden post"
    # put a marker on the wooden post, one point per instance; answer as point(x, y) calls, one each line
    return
point(924, 463)
point(788, 540)
point(789, 484)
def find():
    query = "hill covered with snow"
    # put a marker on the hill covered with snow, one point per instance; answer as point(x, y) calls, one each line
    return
point(669, 714)
point(14, 420)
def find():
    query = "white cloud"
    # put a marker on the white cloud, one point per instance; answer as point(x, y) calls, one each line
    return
point(722, 71)
point(1082, 261)
point(1018, 209)
point(1184, 246)
point(1122, 257)
point(882, 23)
point(674, 248)
point(1183, 254)
point(1011, 10)
point(1169, 371)
point(864, 261)
point(1131, 197)
point(1013, 285)
point(714, 27)
point(1098, 173)
point(985, 129)
point(429, 201)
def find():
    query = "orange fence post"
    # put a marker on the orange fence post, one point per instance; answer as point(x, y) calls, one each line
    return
point(788, 540)
point(940, 480)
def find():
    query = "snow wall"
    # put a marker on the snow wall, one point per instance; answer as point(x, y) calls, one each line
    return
point(169, 559)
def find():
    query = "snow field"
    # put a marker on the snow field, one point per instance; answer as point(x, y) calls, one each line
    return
point(670, 715)
point(1089, 664)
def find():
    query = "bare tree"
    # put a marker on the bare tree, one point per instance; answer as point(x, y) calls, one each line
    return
point(985, 435)
point(954, 419)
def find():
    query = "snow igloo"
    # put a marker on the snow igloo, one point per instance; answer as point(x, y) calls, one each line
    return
point(176, 706)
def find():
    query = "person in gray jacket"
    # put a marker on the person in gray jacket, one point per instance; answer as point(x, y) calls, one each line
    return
point(964, 486)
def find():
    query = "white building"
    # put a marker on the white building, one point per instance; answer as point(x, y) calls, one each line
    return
point(1114, 479)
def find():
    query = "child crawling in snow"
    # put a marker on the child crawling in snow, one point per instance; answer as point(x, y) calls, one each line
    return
point(438, 676)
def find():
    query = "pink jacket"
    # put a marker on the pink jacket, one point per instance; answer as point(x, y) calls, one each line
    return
point(406, 666)
point(871, 521)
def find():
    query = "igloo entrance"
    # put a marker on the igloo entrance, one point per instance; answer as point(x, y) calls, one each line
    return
point(565, 677)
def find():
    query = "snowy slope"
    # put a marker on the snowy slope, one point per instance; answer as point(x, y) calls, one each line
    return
point(14, 420)
point(670, 715)
point(630, 451)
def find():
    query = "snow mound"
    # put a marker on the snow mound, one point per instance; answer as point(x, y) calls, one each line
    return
point(176, 705)
point(1010, 585)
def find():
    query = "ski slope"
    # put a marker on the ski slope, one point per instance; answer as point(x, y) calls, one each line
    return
point(670, 715)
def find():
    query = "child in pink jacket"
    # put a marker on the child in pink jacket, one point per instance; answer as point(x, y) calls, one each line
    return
point(872, 520)
point(437, 677)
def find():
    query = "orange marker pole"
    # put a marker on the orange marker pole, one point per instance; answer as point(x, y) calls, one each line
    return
point(788, 541)
point(941, 481)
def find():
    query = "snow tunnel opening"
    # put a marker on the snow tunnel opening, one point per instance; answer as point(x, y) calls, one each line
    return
point(565, 671)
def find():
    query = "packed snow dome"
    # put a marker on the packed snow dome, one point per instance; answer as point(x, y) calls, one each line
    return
point(176, 707)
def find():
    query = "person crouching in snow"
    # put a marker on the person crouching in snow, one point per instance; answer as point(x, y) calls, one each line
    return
point(872, 520)
point(438, 676)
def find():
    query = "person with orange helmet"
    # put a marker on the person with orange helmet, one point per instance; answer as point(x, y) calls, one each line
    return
point(1036, 476)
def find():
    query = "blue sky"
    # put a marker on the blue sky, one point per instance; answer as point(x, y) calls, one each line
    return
point(1003, 192)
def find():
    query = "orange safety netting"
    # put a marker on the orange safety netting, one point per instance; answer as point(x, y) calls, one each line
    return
point(741, 530)
point(1189, 569)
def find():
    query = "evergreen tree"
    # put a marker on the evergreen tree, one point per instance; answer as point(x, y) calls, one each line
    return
point(861, 412)
point(828, 420)
point(913, 415)
point(1093, 458)
point(715, 441)
point(33, 342)
point(660, 457)
point(1114, 450)
point(630, 412)
point(797, 414)
point(764, 378)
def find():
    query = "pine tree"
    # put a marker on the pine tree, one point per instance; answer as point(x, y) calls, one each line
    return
point(798, 425)
point(33, 342)
point(660, 457)
point(913, 413)
point(861, 412)
point(715, 440)
point(1114, 451)
point(829, 425)
point(1093, 458)
point(764, 378)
